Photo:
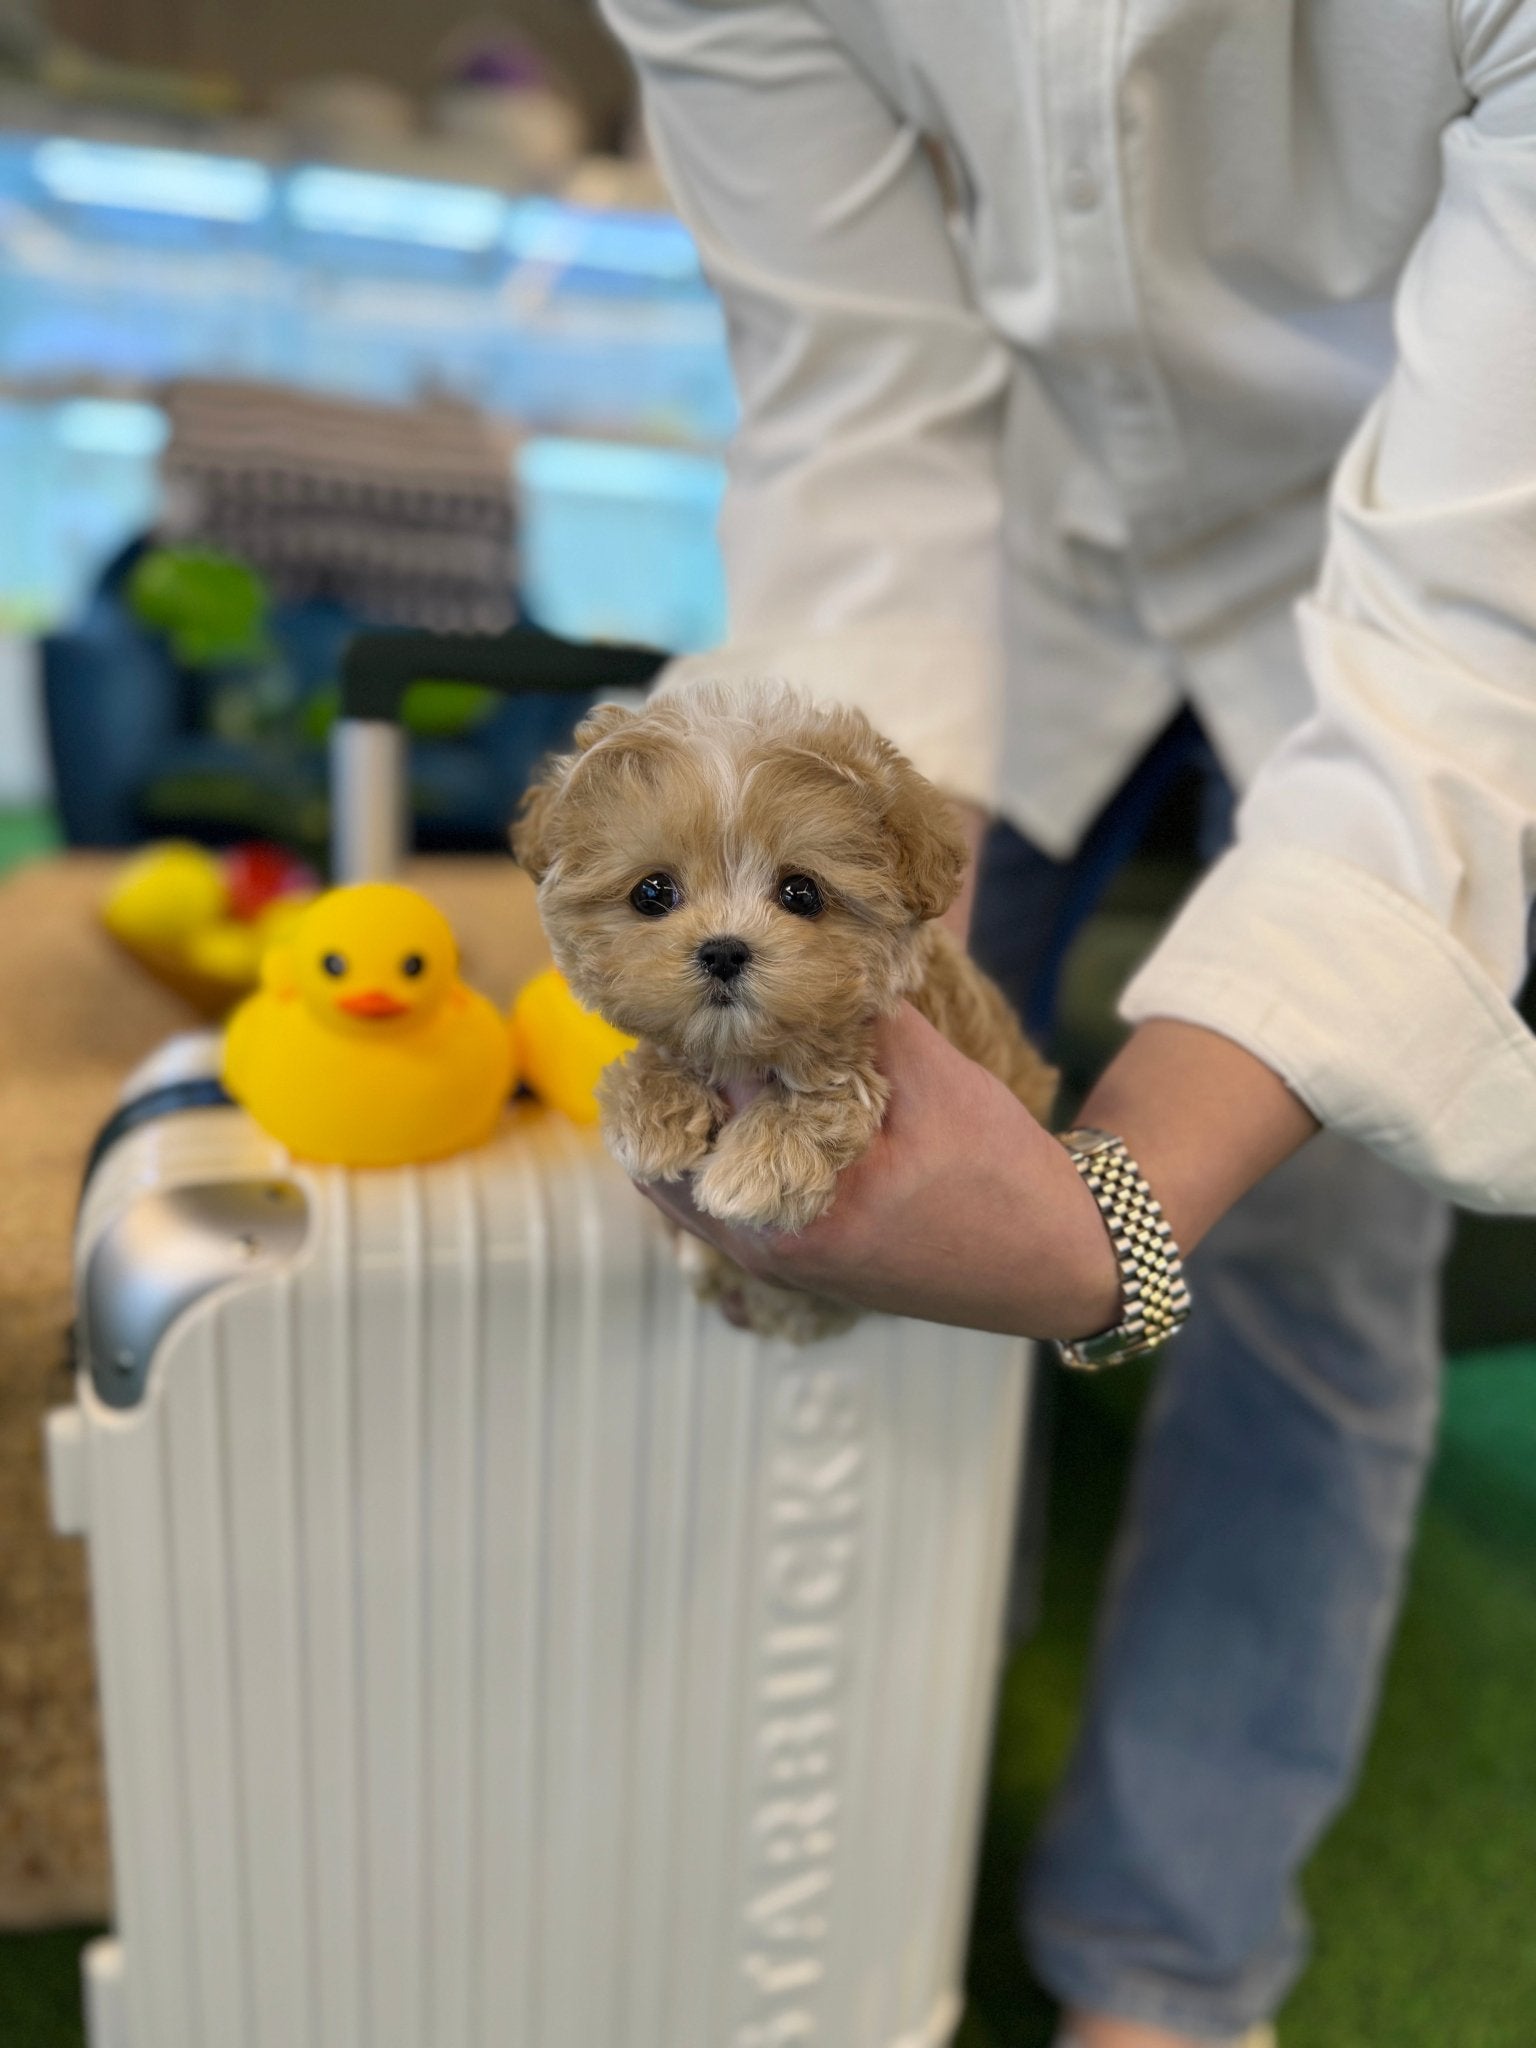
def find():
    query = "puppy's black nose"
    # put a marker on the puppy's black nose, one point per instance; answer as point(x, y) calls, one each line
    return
point(724, 958)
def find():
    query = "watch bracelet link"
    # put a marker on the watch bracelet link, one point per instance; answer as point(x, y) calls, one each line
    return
point(1155, 1298)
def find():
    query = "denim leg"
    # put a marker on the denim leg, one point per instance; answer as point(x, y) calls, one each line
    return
point(1259, 1569)
point(1030, 906)
point(1251, 1601)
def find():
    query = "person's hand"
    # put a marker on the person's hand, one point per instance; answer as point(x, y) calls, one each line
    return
point(963, 1210)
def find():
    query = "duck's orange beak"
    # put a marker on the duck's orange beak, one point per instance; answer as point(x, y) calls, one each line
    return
point(372, 1003)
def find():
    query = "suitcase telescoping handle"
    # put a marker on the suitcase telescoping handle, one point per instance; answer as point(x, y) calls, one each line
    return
point(368, 753)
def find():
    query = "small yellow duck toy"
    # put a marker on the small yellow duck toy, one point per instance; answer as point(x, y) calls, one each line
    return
point(362, 1046)
point(560, 1048)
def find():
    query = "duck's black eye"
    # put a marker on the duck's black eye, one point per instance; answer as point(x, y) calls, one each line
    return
point(655, 896)
point(800, 896)
point(412, 965)
point(334, 964)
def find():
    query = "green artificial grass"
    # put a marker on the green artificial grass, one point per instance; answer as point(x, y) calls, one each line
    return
point(1424, 1895)
point(24, 835)
point(40, 1990)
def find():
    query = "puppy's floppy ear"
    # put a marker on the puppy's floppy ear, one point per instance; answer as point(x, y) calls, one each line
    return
point(533, 830)
point(533, 834)
point(930, 848)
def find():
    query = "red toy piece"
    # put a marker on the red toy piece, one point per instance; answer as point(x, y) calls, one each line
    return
point(257, 873)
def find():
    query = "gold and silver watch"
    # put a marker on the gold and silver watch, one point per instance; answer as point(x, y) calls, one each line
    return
point(1154, 1297)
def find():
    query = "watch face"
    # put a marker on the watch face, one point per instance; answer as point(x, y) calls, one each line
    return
point(1085, 1142)
point(1093, 1354)
point(1083, 1357)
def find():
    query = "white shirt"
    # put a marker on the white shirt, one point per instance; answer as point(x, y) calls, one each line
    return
point(1022, 473)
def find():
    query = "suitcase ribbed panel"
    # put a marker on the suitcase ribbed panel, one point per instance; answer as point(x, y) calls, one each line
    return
point(497, 1649)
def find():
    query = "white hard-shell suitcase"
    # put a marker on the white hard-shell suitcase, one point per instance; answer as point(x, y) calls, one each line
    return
point(495, 1649)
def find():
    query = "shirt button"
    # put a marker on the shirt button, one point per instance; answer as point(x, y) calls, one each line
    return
point(1080, 188)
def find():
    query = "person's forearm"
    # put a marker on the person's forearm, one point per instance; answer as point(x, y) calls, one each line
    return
point(1203, 1119)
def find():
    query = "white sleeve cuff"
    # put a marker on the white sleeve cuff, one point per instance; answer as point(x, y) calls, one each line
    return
point(1388, 1030)
point(933, 689)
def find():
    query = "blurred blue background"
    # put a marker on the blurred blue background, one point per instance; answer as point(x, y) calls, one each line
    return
point(126, 265)
point(587, 331)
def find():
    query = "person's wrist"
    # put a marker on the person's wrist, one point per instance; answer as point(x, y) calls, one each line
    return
point(1050, 1268)
point(1092, 1294)
point(1058, 1248)
point(1203, 1119)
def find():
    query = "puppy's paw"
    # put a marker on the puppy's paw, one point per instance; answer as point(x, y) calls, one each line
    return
point(653, 1151)
point(766, 1176)
point(748, 1303)
point(775, 1166)
point(797, 1318)
point(658, 1124)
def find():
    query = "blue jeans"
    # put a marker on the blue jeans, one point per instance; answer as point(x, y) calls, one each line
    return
point(1260, 1560)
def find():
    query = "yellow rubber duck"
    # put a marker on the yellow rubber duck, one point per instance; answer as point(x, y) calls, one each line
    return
point(362, 1046)
point(560, 1048)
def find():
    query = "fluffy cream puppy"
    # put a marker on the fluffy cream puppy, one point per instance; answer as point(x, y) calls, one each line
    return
point(745, 881)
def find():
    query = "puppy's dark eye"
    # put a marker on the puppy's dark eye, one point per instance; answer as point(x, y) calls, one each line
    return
point(412, 965)
point(655, 896)
point(800, 896)
point(334, 964)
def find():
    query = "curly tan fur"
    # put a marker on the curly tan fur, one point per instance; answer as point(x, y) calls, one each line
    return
point(727, 789)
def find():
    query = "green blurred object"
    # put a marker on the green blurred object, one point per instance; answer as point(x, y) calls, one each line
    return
point(40, 1998)
point(431, 711)
point(24, 835)
point(447, 711)
point(212, 609)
